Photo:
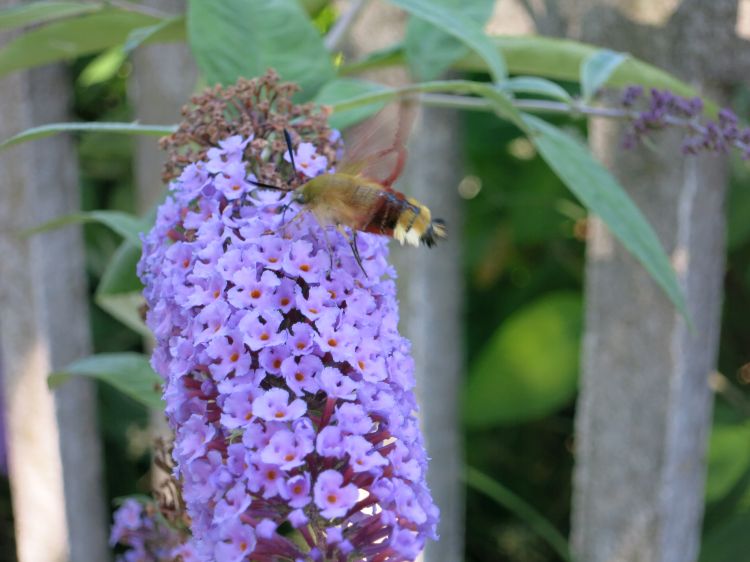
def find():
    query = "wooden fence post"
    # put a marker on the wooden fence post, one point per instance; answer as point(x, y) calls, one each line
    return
point(644, 410)
point(54, 452)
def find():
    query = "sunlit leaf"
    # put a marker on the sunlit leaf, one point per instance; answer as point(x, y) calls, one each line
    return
point(600, 192)
point(130, 373)
point(597, 69)
point(102, 68)
point(235, 38)
point(558, 59)
point(529, 368)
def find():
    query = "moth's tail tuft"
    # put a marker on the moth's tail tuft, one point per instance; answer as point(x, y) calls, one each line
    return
point(434, 232)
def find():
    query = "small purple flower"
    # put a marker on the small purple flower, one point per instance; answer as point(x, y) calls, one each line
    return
point(309, 162)
point(274, 405)
point(332, 496)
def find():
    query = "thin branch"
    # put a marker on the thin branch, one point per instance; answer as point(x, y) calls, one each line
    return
point(338, 31)
point(139, 8)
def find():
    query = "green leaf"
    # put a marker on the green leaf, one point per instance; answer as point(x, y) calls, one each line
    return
point(236, 38)
point(597, 69)
point(728, 458)
point(529, 368)
point(727, 542)
point(430, 51)
point(124, 224)
point(520, 508)
point(167, 31)
point(93, 127)
point(40, 12)
point(537, 86)
point(600, 192)
point(102, 68)
point(119, 291)
point(346, 89)
point(130, 373)
point(461, 26)
point(70, 38)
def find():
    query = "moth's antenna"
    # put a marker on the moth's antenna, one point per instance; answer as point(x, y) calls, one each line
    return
point(266, 185)
point(288, 139)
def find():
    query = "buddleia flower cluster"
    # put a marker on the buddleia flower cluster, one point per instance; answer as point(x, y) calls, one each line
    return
point(286, 382)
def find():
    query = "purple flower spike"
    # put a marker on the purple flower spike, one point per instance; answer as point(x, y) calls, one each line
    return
point(661, 109)
point(288, 386)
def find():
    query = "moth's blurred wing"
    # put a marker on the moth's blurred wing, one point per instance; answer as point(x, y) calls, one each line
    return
point(376, 149)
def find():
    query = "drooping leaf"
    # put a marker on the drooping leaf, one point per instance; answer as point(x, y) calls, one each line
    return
point(597, 69)
point(166, 31)
point(129, 373)
point(430, 51)
point(124, 224)
point(235, 38)
point(40, 12)
point(94, 127)
point(536, 86)
point(346, 89)
point(600, 192)
point(529, 368)
point(70, 38)
point(456, 23)
point(119, 290)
